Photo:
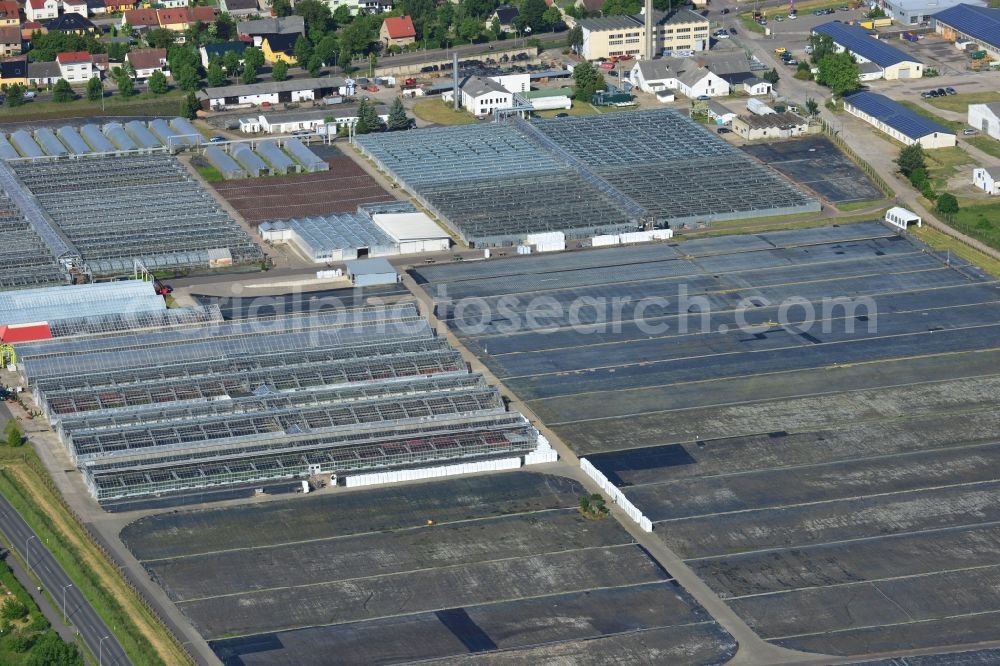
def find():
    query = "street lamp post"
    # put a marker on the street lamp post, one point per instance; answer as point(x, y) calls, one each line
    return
point(27, 551)
point(100, 651)
point(65, 587)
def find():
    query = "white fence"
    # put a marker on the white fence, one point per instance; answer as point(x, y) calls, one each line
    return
point(632, 237)
point(431, 472)
point(543, 453)
point(617, 496)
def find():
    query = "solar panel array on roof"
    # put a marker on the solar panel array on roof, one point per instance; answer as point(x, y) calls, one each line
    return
point(856, 40)
point(980, 23)
point(895, 115)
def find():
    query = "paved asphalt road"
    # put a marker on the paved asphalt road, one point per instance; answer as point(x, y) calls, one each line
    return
point(81, 614)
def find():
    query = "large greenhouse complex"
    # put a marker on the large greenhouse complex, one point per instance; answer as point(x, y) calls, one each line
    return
point(187, 406)
point(494, 184)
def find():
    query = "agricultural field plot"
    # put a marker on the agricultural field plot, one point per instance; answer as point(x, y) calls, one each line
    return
point(819, 165)
point(832, 476)
point(500, 564)
point(341, 189)
point(325, 300)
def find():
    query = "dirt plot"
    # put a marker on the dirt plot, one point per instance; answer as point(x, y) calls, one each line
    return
point(508, 566)
point(819, 165)
point(341, 189)
point(838, 486)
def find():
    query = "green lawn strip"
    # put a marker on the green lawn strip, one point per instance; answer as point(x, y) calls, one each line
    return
point(943, 163)
point(954, 125)
point(136, 646)
point(143, 104)
point(942, 241)
point(777, 223)
point(987, 144)
point(979, 221)
point(959, 103)
point(436, 111)
point(849, 206)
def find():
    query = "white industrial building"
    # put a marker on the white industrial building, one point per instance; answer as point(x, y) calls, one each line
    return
point(898, 121)
point(375, 230)
point(915, 12)
point(685, 75)
point(270, 92)
point(986, 118)
point(987, 179)
point(312, 121)
point(481, 95)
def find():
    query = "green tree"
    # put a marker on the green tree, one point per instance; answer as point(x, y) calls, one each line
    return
point(187, 77)
point(587, 80)
point(303, 50)
point(95, 89)
point(159, 38)
point(158, 82)
point(551, 17)
point(621, 7)
point(117, 51)
point(249, 75)
point(839, 73)
point(126, 87)
point(63, 92)
point(326, 49)
point(533, 10)
point(224, 27)
point(358, 36)
point(15, 95)
point(772, 77)
point(876, 13)
point(231, 61)
point(470, 29)
point(314, 65)
point(947, 205)
point(342, 16)
point(822, 46)
point(397, 116)
point(216, 77)
point(281, 8)
point(317, 17)
point(910, 159)
point(574, 38)
point(495, 29)
point(50, 650)
point(812, 108)
point(190, 106)
point(279, 72)
point(13, 434)
point(253, 57)
point(368, 120)
point(13, 609)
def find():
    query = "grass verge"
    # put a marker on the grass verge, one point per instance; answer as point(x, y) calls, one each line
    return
point(778, 223)
point(751, 25)
point(959, 103)
point(26, 485)
point(987, 144)
point(943, 163)
point(849, 206)
point(953, 125)
point(942, 241)
point(143, 104)
point(436, 111)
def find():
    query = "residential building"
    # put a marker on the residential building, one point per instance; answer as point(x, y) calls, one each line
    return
point(9, 13)
point(114, 6)
point(256, 29)
point(770, 126)
point(683, 75)
point(898, 121)
point(240, 8)
point(43, 74)
point(967, 22)
point(30, 29)
point(10, 40)
point(505, 14)
point(893, 63)
point(41, 10)
point(210, 51)
point(96, 7)
point(173, 4)
point(147, 61)
point(987, 179)
point(279, 47)
point(611, 36)
point(733, 67)
point(13, 71)
point(75, 7)
point(915, 12)
point(397, 31)
point(141, 19)
point(75, 24)
point(76, 66)
point(182, 18)
point(986, 118)
point(755, 86)
point(272, 92)
point(481, 96)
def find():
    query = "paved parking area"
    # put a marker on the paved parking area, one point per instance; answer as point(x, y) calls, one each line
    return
point(835, 483)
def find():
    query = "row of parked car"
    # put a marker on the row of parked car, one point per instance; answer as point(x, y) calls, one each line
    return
point(940, 92)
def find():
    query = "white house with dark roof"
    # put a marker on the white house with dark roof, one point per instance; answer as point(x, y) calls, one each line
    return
point(481, 96)
point(684, 75)
point(987, 179)
point(986, 118)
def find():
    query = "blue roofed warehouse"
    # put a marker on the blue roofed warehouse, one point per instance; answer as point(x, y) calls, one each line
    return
point(898, 121)
point(893, 63)
point(971, 23)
